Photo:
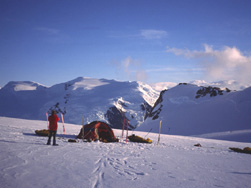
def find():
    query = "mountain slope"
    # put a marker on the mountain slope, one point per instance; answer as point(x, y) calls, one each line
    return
point(96, 99)
point(192, 110)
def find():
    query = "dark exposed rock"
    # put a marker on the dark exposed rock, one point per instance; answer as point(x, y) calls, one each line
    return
point(212, 91)
point(146, 108)
point(155, 114)
point(116, 117)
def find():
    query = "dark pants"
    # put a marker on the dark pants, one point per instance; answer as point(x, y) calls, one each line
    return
point(52, 133)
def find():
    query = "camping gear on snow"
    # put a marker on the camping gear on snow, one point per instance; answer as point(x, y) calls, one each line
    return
point(72, 140)
point(134, 138)
point(244, 150)
point(43, 132)
point(97, 130)
point(198, 145)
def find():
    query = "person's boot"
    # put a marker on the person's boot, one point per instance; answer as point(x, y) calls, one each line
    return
point(49, 142)
point(54, 143)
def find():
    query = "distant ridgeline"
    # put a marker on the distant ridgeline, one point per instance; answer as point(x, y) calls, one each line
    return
point(202, 92)
point(212, 91)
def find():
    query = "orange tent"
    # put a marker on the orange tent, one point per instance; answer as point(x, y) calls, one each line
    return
point(97, 130)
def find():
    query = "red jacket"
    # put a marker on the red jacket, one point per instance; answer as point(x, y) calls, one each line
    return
point(53, 119)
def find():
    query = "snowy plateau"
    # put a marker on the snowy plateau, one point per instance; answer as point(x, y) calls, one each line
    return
point(27, 162)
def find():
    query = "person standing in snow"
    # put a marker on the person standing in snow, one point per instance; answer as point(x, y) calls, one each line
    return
point(53, 126)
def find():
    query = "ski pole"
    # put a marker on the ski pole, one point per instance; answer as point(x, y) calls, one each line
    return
point(63, 122)
point(123, 129)
point(47, 120)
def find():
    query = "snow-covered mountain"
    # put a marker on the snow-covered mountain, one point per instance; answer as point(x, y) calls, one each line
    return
point(95, 99)
point(192, 110)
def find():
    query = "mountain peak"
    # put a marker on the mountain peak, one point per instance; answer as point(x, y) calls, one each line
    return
point(22, 86)
point(86, 83)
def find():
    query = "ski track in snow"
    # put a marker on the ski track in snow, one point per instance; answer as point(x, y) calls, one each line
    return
point(121, 167)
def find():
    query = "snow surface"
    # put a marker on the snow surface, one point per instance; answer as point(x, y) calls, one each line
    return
point(88, 83)
point(24, 86)
point(26, 161)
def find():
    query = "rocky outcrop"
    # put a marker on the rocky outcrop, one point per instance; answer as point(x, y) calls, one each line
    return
point(211, 91)
point(155, 114)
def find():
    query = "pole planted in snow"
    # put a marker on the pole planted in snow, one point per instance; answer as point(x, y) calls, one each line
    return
point(83, 127)
point(127, 130)
point(83, 120)
point(123, 130)
point(159, 131)
point(63, 122)
point(47, 120)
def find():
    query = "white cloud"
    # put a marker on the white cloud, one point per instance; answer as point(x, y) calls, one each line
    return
point(173, 69)
point(226, 64)
point(131, 69)
point(153, 34)
point(141, 75)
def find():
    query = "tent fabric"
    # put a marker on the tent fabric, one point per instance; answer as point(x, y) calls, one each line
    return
point(97, 130)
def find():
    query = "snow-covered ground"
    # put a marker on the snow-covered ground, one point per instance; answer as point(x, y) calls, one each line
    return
point(26, 161)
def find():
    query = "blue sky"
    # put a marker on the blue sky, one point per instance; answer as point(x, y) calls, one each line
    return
point(53, 41)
